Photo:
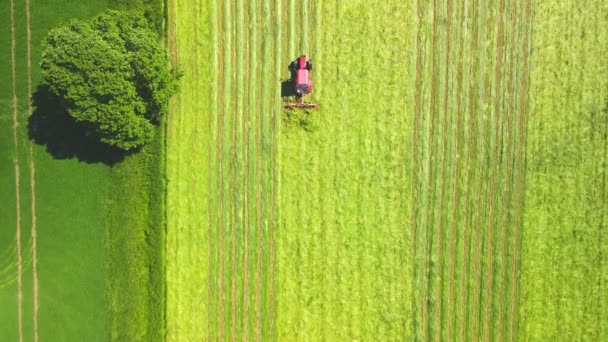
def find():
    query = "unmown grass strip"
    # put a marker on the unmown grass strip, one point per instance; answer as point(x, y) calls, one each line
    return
point(17, 173)
point(496, 150)
point(521, 136)
point(454, 217)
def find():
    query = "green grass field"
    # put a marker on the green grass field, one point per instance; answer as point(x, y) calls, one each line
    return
point(418, 206)
point(452, 185)
point(99, 263)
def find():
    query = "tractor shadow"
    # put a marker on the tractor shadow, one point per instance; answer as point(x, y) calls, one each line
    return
point(287, 90)
point(52, 127)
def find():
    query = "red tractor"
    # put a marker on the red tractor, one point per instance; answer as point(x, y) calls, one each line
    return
point(301, 83)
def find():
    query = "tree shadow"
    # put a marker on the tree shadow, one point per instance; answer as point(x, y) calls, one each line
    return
point(51, 126)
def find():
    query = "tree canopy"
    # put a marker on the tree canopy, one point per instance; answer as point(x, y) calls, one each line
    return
point(113, 76)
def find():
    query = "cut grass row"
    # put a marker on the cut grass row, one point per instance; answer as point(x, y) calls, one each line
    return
point(476, 261)
point(238, 174)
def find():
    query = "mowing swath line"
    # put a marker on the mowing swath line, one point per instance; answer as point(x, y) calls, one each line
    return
point(508, 153)
point(521, 170)
point(259, 192)
point(486, 94)
point(251, 89)
point(471, 152)
point(456, 176)
point(415, 162)
point(444, 133)
point(220, 173)
point(214, 108)
point(430, 189)
point(493, 180)
point(16, 167)
point(273, 168)
point(32, 167)
point(236, 96)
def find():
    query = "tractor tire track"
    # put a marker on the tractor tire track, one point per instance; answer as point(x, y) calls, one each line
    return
point(522, 119)
point(471, 152)
point(415, 152)
point(32, 167)
point(456, 178)
point(16, 168)
point(444, 142)
point(506, 194)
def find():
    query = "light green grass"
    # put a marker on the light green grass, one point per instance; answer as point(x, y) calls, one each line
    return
point(564, 272)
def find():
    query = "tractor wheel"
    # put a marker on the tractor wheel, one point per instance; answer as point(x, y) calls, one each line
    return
point(309, 65)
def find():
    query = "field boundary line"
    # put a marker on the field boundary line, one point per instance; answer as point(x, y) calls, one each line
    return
point(506, 194)
point(32, 167)
point(456, 177)
point(443, 183)
point(17, 174)
point(521, 169)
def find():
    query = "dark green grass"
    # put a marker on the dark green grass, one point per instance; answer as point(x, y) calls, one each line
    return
point(134, 246)
point(73, 199)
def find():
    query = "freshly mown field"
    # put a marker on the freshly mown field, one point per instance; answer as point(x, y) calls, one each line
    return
point(87, 265)
point(452, 186)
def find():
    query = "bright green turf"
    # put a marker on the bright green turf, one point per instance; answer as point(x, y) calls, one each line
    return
point(564, 294)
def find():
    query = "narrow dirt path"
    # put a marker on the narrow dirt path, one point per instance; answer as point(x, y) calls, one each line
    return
point(32, 166)
point(16, 167)
point(519, 193)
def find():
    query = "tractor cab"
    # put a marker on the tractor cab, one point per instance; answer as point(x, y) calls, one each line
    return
point(303, 81)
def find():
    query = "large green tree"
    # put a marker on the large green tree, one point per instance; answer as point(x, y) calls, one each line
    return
point(113, 76)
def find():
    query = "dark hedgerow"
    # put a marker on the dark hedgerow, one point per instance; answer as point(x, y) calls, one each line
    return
point(112, 75)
